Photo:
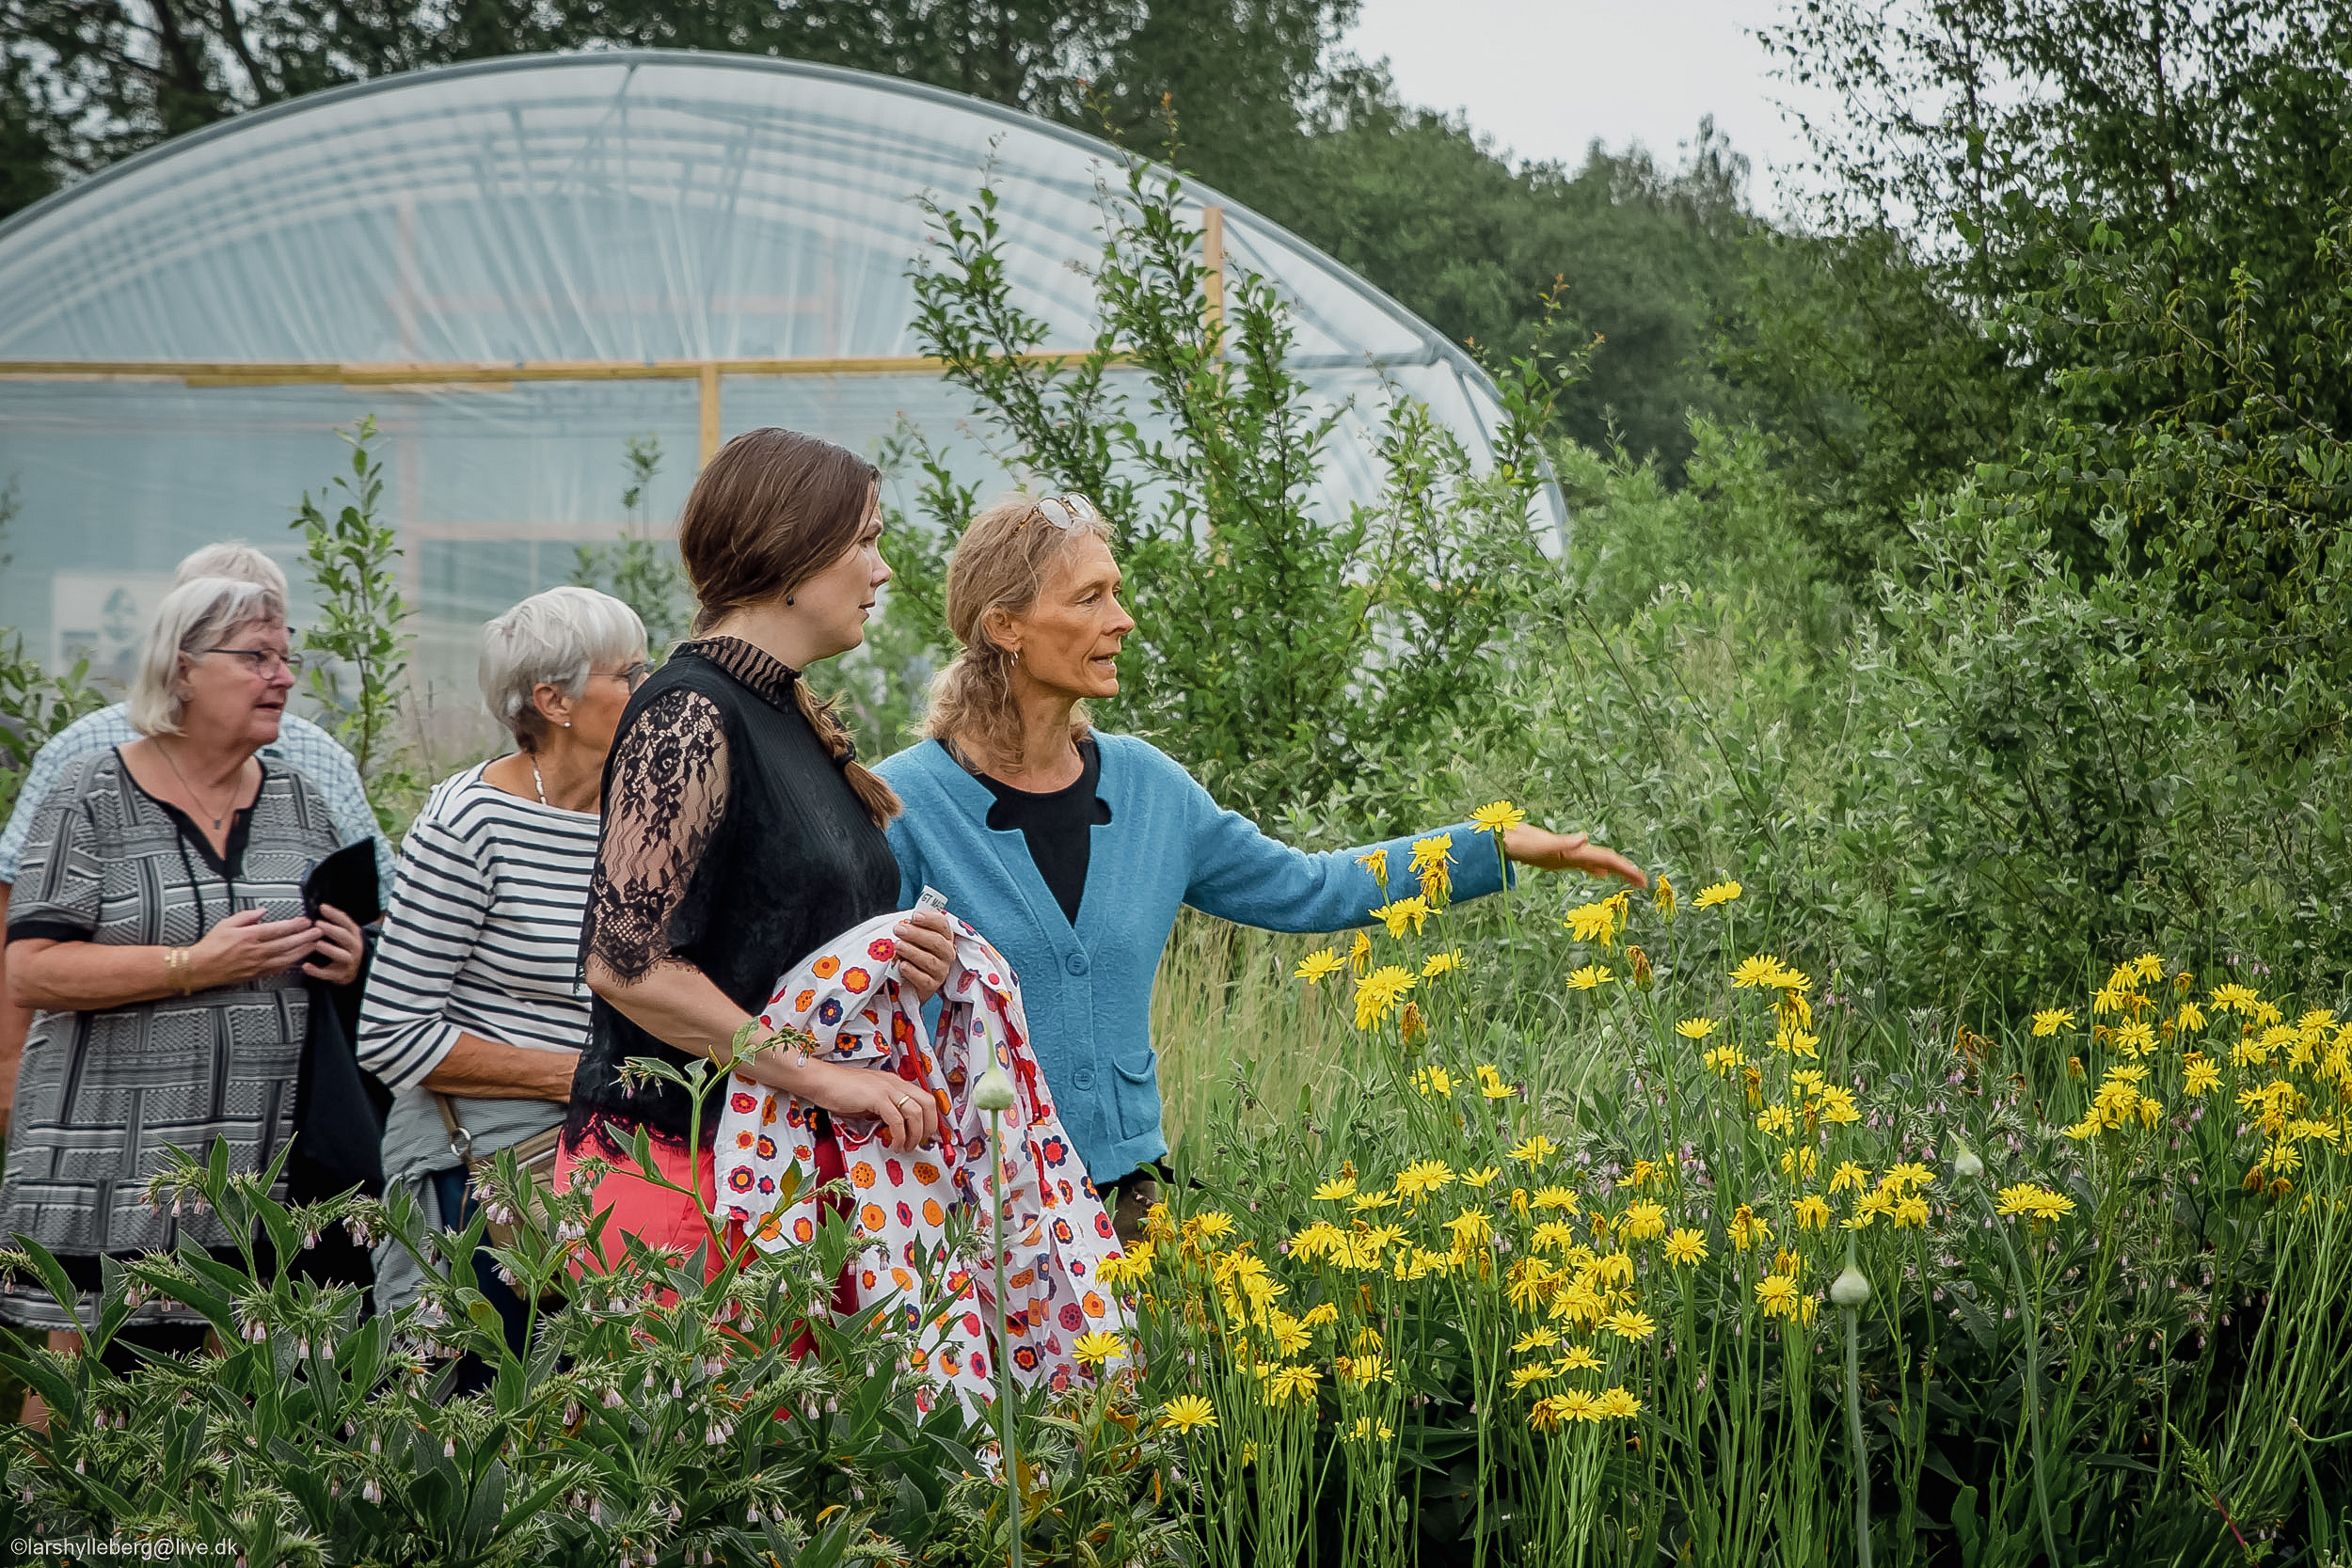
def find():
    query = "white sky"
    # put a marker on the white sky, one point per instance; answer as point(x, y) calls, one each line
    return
point(1544, 77)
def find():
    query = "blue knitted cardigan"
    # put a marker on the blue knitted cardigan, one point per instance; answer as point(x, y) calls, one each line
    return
point(1088, 990)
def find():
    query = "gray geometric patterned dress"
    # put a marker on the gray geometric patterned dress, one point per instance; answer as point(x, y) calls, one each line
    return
point(99, 1095)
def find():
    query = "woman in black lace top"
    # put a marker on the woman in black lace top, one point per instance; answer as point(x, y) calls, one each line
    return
point(739, 831)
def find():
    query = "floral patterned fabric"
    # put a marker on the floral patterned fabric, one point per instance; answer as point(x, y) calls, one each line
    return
point(1056, 1235)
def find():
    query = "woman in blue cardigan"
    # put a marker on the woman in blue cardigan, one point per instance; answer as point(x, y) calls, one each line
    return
point(1071, 850)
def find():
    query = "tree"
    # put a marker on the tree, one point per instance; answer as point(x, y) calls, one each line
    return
point(1981, 144)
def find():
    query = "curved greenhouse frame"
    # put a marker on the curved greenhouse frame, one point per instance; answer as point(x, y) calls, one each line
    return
point(516, 266)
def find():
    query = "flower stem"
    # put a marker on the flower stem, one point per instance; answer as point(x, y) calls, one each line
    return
point(1004, 1355)
point(2033, 1387)
point(1860, 1451)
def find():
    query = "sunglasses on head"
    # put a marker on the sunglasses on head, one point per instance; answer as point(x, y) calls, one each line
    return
point(1065, 511)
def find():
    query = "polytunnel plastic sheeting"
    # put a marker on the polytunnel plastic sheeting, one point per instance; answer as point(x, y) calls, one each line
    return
point(596, 213)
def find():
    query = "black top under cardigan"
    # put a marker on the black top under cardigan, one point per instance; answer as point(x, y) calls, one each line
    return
point(732, 841)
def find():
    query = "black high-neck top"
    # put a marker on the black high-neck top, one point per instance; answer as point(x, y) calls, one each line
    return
point(1056, 824)
point(732, 842)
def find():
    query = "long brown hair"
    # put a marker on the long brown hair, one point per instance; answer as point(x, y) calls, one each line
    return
point(771, 511)
point(1003, 562)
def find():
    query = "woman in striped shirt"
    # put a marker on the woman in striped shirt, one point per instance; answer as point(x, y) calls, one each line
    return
point(475, 1014)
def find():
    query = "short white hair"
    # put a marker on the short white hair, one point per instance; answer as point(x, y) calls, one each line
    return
point(199, 613)
point(551, 639)
point(232, 558)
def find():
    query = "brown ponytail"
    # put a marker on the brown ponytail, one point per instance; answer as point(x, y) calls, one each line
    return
point(771, 511)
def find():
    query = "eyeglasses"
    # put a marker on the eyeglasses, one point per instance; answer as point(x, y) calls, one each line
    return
point(265, 662)
point(1065, 512)
point(630, 675)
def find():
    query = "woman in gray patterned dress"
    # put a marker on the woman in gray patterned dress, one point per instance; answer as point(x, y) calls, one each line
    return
point(157, 927)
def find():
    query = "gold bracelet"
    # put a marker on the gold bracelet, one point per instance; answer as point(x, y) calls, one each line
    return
point(180, 969)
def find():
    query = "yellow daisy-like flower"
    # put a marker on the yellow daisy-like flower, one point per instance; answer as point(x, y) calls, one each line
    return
point(2199, 1075)
point(1662, 896)
point(2135, 1038)
point(1909, 1174)
point(1490, 1083)
point(1359, 954)
point(1748, 1227)
point(2035, 1201)
point(1760, 970)
point(1849, 1174)
point(1540, 1371)
point(1725, 1060)
point(1284, 1384)
point(1589, 977)
point(1644, 1222)
point(1835, 1105)
point(1095, 1350)
point(1554, 1236)
point(1536, 1150)
point(1686, 1246)
point(1434, 1080)
point(2190, 1018)
point(1290, 1336)
point(1365, 1202)
point(1497, 816)
point(1378, 992)
point(1695, 1028)
point(1366, 1369)
point(1187, 1413)
point(1537, 1338)
point(1423, 1177)
point(1616, 1405)
point(1629, 1325)
point(1321, 1313)
point(1550, 1414)
point(1777, 1294)
point(1721, 892)
point(1214, 1224)
point(1481, 1177)
point(1910, 1213)
point(2049, 1021)
point(1440, 963)
point(1398, 914)
point(1599, 921)
point(1317, 965)
point(1332, 1190)
point(1377, 862)
point(1561, 1198)
point(1367, 1430)
point(1437, 850)
point(2234, 998)
point(1811, 1211)
point(1776, 1120)
point(1578, 1358)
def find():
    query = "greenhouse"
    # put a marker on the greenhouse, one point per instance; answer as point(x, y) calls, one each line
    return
point(516, 268)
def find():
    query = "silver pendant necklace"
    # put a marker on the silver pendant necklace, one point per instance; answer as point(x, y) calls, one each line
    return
point(191, 788)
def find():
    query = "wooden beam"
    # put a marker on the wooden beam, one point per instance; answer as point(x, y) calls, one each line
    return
point(1213, 259)
point(195, 372)
point(709, 414)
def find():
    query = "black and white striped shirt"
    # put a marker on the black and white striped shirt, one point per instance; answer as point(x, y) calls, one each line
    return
point(483, 936)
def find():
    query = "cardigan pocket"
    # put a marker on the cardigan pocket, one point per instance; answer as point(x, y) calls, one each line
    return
point(1137, 1094)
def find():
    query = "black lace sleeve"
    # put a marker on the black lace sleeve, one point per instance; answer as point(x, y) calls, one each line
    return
point(667, 797)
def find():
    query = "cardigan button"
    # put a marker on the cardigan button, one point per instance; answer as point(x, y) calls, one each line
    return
point(1083, 1078)
point(1077, 963)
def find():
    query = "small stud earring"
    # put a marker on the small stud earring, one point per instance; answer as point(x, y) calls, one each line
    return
point(788, 598)
point(567, 724)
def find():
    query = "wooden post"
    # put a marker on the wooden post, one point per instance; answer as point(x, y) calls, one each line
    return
point(1213, 258)
point(710, 413)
